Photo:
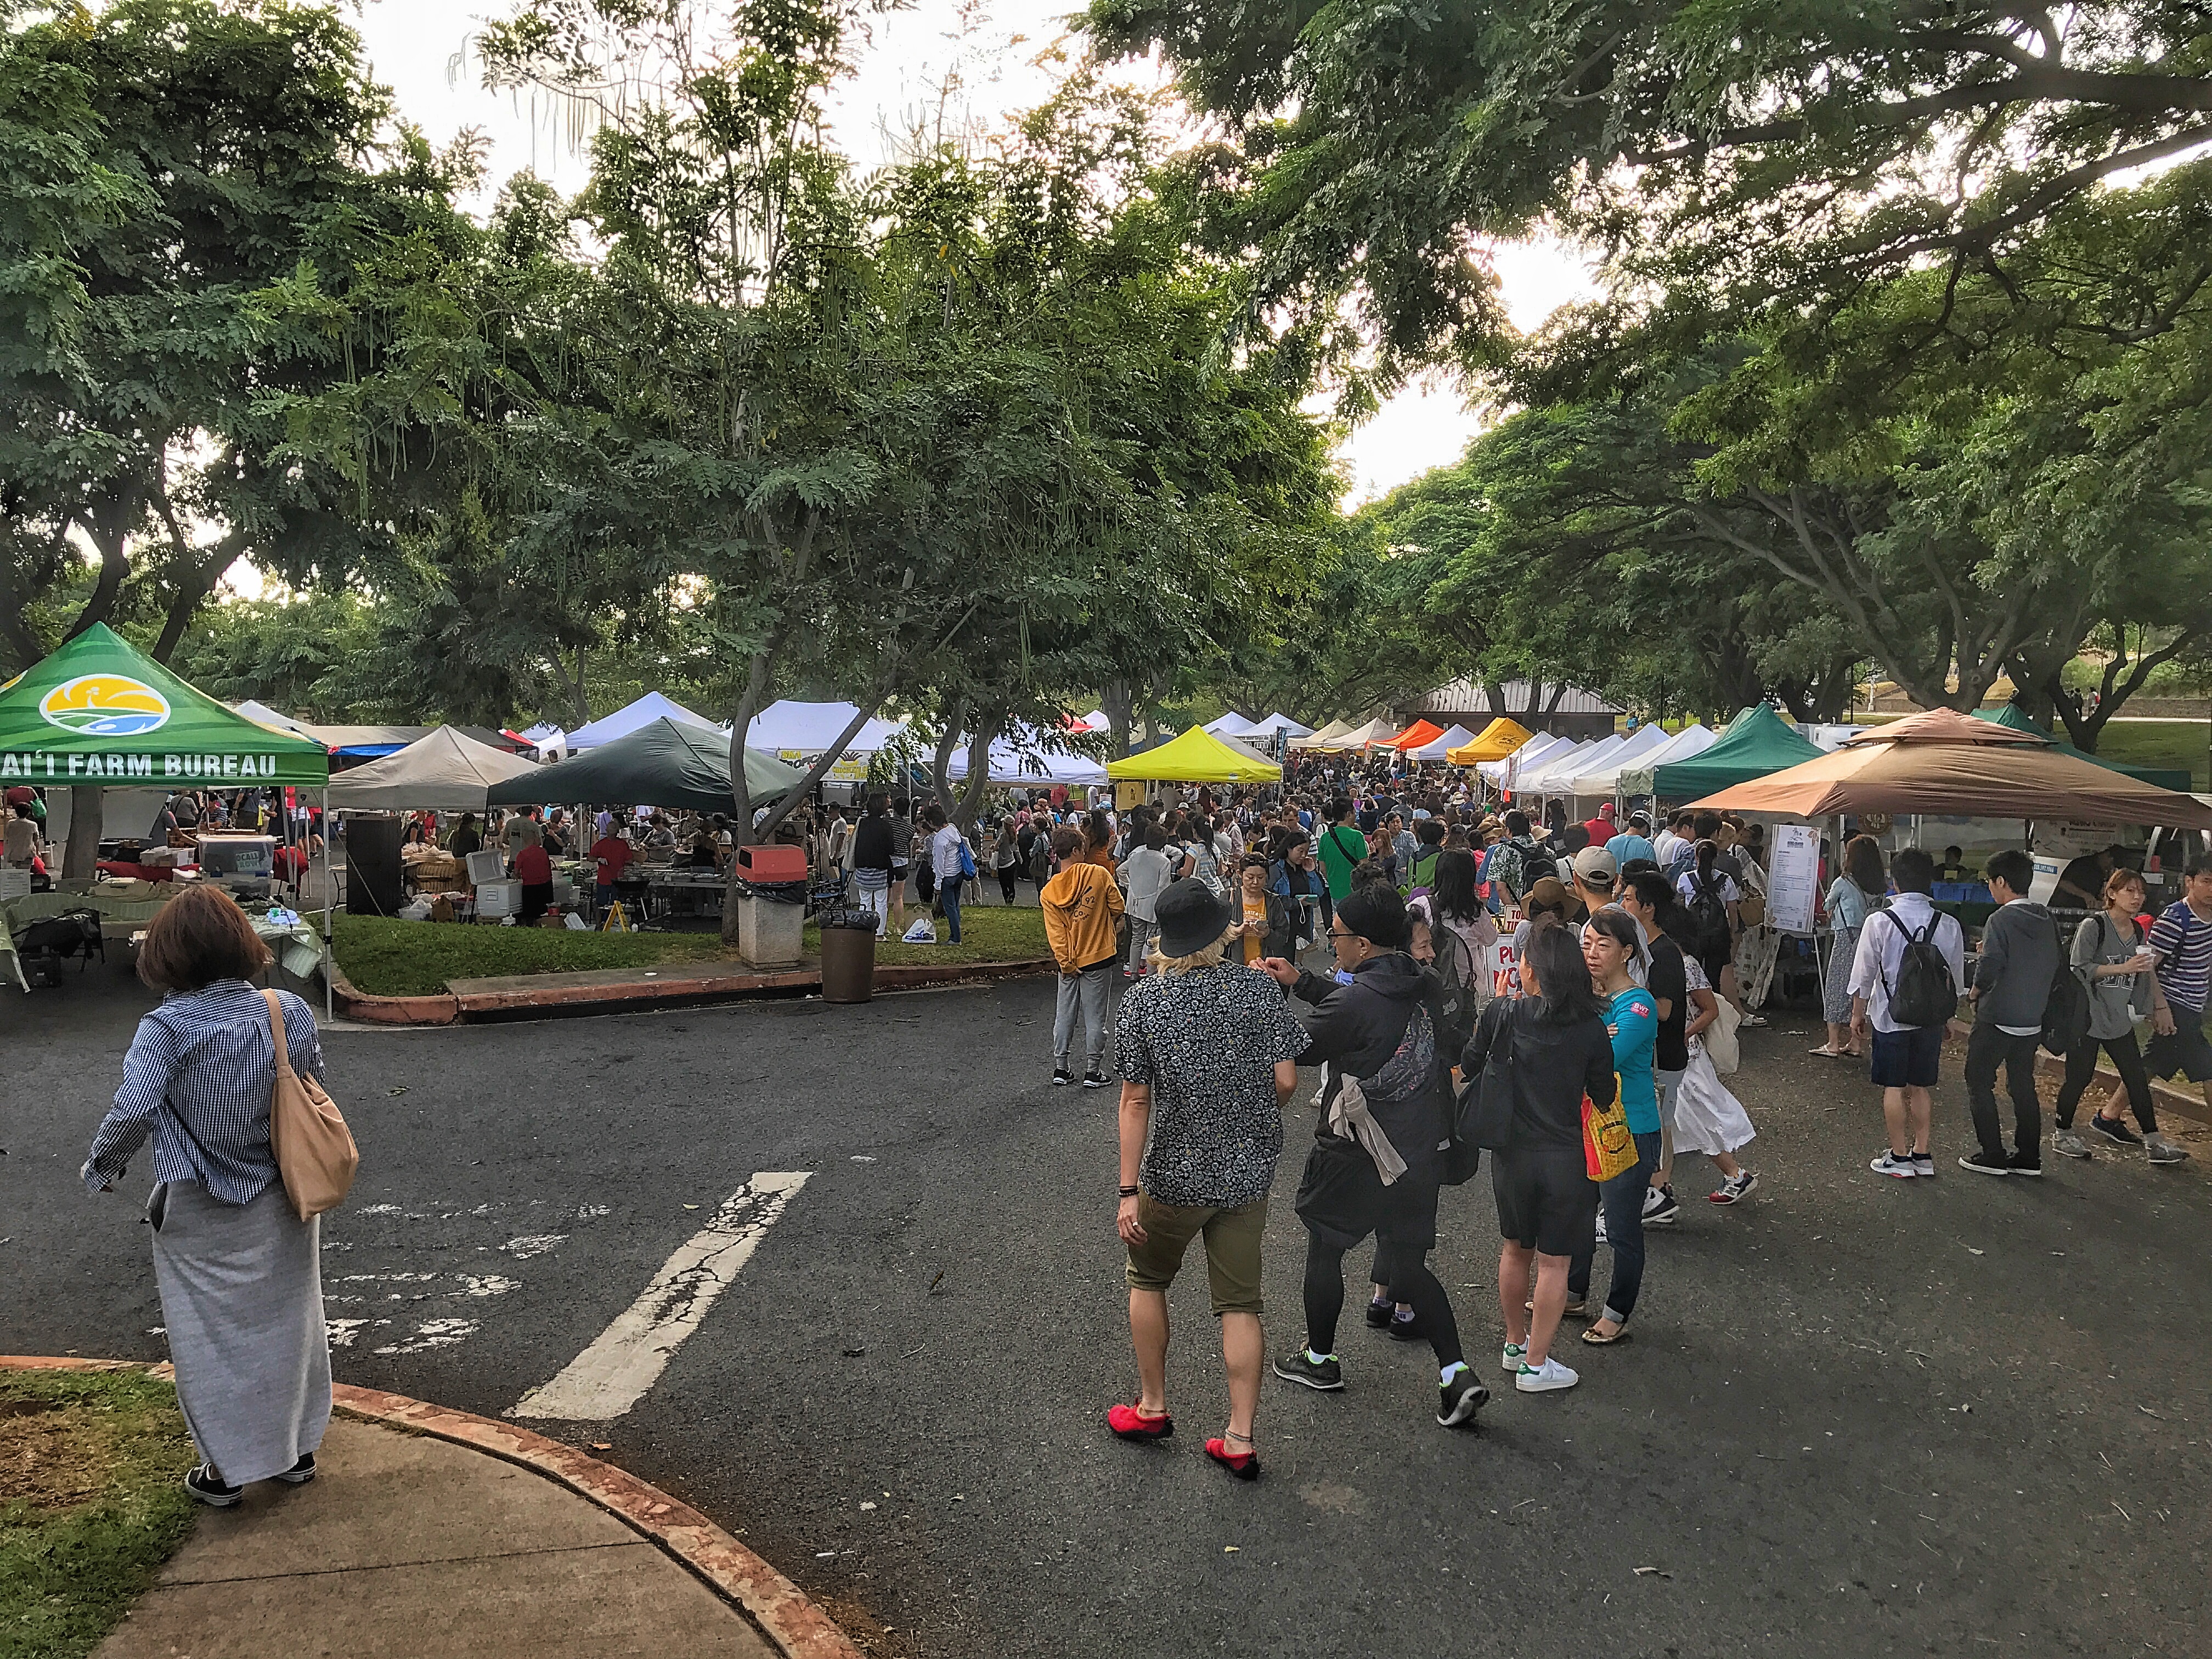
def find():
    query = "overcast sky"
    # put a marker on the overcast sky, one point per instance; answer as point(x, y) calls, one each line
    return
point(420, 49)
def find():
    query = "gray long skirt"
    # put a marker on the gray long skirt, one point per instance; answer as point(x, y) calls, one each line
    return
point(1836, 983)
point(242, 1296)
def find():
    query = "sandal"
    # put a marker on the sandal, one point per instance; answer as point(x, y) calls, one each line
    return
point(1577, 1307)
point(1595, 1340)
point(1826, 1053)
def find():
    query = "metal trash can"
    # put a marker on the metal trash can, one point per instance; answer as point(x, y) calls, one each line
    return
point(848, 957)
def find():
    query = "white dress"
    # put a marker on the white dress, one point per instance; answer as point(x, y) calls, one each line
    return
point(1708, 1119)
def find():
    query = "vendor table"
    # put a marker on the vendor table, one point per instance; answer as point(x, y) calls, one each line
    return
point(698, 892)
point(297, 948)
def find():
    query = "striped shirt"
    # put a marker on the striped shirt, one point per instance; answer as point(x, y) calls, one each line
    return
point(2183, 942)
point(198, 1078)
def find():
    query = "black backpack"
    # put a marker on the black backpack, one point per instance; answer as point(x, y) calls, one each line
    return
point(2066, 1015)
point(1708, 916)
point(1924, 993)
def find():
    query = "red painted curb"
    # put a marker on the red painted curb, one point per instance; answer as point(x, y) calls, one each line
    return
point(782, 1611)
point(442, 1009)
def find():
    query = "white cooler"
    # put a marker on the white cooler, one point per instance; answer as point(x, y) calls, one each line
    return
point(499, 898)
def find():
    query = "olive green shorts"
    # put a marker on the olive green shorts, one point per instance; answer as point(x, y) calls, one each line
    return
point(1232, 1249)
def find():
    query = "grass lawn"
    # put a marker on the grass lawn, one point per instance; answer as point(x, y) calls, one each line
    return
point(987, 934)
point(388, 958)
point(2178, 744)
point(94, 1504)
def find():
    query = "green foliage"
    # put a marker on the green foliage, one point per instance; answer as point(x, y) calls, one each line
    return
point(92, 1511)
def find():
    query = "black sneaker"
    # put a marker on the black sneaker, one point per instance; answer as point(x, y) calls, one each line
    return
point(2115, 1130)
point(1407, 1329)
point(1096, 1080)
point(2027, 1164)
point(1379, 1315)
point(203, 1485)
point(1062, 1077)
point(1459, 1399)
point(1982, 1164)
point(300, 1472)
point(1300, 1367)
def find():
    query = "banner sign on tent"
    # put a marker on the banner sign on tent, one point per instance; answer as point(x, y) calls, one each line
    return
point(147, 768)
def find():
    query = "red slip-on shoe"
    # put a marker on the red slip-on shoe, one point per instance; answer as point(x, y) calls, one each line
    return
point(1245, 1466)
point(1133, 1424)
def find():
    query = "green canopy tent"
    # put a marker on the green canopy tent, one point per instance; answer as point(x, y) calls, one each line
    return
point(665, 763)
point(99, 713)
point(1758, 742)
point(2014, 716)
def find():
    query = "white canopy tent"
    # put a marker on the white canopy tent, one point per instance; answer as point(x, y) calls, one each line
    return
point(1282, 724)
point(1537, 780)
point(1097, 721)
point(1231, 725)
point(1635, 778)
point(810, 728)
point(262, 714)
point(444, 772)
point(1458, 738)
point(1603, 779)
point(1541, 747)
point(646, 709)
point(1559, 777)
point(1022, 763)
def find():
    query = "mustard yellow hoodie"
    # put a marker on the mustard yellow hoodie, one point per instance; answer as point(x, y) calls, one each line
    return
point(1081, 905)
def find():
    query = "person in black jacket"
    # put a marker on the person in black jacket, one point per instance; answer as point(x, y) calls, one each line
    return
point(1376, 1162)
point(1547, 1202)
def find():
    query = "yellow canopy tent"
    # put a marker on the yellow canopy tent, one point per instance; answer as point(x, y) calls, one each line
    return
point(1196, 756)
point(1499, 738)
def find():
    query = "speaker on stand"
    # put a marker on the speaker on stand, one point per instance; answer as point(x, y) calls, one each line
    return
point(371, 865)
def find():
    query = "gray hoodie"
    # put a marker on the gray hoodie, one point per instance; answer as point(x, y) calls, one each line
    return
point(2019, 954)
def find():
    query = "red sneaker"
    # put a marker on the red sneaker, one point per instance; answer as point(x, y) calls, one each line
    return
point(1133, 1424)
point(1245, 1466)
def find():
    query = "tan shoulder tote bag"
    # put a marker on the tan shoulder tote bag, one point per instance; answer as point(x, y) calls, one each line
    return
point(315, 1152)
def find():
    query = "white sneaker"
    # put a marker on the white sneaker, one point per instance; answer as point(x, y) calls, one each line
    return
point(1547, 1379)
point(1601, 1227)
point(1890, 1164)
point(1511, 1359)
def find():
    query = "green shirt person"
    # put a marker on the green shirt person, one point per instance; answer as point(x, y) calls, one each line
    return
point(1342, 847)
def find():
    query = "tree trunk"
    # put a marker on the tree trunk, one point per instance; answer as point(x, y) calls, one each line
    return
point(1120, 716)
point(579, 699)
point(979, 772)
point(941, 762)
point(82, 855)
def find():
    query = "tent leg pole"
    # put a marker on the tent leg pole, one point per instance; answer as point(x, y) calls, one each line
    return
point(329, 961)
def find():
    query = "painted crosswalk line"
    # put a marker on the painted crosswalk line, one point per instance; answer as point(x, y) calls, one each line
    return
point(627, 1358)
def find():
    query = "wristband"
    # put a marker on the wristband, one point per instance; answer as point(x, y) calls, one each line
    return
point(1128, 1192)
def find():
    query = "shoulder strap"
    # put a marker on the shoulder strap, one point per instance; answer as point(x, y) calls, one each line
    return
point(276, 1030)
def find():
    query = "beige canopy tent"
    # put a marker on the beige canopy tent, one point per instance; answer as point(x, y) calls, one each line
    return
point(1324, 739)
point(1376, 730)
point(1947, 763)
point(442, 772)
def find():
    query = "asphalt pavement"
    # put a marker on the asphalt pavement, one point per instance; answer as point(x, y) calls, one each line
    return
point(1857, 1417)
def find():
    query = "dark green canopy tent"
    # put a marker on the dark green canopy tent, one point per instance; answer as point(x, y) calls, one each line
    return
point(1757, 743)
point(2012, 714)
point(666, 763)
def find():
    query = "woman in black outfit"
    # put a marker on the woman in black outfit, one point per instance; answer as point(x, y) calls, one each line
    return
point(1547, 1202)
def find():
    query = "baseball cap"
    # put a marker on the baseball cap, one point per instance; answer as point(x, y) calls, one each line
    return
point(1596, 867)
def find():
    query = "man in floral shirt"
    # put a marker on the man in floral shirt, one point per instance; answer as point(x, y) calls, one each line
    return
point(1207, 1052)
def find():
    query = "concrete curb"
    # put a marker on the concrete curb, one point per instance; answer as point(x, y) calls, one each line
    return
point(782, 1612)
point(675, 984)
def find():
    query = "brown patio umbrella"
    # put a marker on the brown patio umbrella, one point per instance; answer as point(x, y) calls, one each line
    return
point(1949, 763)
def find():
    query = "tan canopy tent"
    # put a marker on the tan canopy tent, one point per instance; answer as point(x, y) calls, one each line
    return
point(1376, 730)
point(442, 772)
point(1324, 739)
point(1494, 742)
point(1946, 763)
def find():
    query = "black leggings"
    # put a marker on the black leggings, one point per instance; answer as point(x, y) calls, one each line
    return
point(2081, 1067)
point(1410, 1280)
point(1007, 876)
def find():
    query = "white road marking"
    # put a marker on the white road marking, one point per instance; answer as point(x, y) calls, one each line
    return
point(533, 1244)
point(432, 1334)
point(613, 1374)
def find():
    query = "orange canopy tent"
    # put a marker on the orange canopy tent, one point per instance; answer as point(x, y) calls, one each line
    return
point(1947, 763)
point(1413, 737)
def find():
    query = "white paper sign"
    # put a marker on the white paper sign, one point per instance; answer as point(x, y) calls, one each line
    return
point(1793, 878)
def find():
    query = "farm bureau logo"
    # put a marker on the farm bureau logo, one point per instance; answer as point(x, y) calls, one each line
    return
point(104, 706)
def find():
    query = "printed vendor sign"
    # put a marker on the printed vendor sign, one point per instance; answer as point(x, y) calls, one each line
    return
point(128, 768)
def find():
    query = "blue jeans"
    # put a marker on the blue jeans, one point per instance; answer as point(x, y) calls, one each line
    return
point(1623, 1199)
point(948, 894)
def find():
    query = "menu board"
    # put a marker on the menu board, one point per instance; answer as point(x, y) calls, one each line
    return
point(1793, 878)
